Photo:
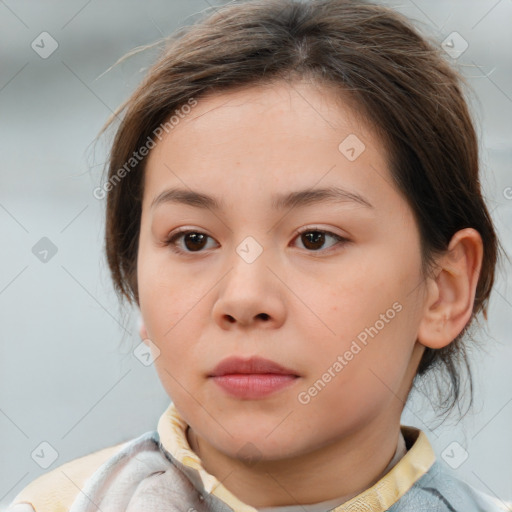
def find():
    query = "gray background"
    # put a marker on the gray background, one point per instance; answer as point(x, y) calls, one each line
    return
point(67, 372)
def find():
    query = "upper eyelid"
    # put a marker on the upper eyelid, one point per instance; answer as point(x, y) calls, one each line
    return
point(318, 228)
point(170, 239)
point(295, 233)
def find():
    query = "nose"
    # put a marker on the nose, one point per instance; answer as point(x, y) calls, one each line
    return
point(250, 295)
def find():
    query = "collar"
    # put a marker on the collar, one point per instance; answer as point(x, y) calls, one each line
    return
point(379, 497)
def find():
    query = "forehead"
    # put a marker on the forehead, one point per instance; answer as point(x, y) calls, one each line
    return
point(265, 137)
point(319, 105)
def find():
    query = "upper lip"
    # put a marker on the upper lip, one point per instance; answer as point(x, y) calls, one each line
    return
point(233, 365)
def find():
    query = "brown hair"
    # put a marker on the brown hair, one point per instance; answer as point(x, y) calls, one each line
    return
point(396, 78)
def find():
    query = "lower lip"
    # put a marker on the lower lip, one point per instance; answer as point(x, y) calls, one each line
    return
point(252, 385)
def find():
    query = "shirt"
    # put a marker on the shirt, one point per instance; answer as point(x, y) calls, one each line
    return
point(158, 471)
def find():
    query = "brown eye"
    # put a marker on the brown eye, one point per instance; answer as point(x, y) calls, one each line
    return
point(192, 241)
point(314, 239)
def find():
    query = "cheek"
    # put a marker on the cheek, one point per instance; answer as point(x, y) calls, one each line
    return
point(369, 320)
point(350, 304)
point(166, 295)
point(352, 379)
point(174, 316)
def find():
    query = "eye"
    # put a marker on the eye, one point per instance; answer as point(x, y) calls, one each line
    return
point(193, 241)
point(314, 239)
point(190, 241)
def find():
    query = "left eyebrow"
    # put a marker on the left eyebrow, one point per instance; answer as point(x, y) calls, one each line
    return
point(299, 198)
point(318, 195)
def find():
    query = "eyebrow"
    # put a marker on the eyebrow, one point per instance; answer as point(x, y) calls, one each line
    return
point(289, 200)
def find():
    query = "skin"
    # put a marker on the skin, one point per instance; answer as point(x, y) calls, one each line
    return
point(297, 306)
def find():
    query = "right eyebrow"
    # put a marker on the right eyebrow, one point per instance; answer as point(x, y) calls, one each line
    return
point(187, 197)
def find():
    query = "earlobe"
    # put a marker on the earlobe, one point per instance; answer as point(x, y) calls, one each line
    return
point(451, 293)
point(143, 333)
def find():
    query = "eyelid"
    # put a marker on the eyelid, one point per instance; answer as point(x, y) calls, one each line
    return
point(314, 227)
point(169, 239)
point(341, 240)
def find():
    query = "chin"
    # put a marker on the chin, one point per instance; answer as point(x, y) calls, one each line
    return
point(251, 448)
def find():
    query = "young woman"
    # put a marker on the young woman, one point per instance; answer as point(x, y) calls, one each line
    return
point(293, 203)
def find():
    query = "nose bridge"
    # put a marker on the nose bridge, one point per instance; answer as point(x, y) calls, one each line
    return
point(249, 250)
point(249, 270)
point(250, 290)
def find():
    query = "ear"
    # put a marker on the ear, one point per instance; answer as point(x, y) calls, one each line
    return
point(450, 295)
point(143, 333)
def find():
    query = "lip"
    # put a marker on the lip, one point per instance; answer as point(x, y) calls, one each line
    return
point(253, 378)
point(251, 365)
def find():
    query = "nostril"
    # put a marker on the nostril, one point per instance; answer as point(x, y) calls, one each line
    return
point(263, 316)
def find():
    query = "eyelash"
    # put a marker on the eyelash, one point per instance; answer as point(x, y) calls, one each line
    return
point(170, 241)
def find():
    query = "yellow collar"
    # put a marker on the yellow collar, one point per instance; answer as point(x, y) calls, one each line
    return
point(378, 498)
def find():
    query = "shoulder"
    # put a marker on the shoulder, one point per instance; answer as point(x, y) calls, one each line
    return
point(110, 479)
point(55, 490)
point(441, 491)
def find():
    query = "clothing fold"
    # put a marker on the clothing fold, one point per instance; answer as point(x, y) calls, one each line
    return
point(158, 471)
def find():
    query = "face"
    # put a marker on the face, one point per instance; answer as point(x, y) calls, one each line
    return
point(286, 321)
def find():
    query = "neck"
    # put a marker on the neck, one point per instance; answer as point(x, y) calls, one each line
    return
point(343, 468)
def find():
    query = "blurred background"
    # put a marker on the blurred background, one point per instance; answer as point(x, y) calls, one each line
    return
point(70, 382)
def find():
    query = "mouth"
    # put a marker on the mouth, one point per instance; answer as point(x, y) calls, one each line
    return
point(253, 378)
